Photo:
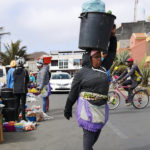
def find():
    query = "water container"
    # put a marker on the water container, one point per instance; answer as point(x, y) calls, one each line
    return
point(95, 30)
point(9, 114)
point(7, 93)
point(10, 102)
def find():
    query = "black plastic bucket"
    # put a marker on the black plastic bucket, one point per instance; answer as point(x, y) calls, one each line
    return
point(9, 102)
point(9, 114)
point(7, 93)
point(95, 30)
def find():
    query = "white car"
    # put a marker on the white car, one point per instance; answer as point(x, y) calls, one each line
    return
point(60, 82)
point(3, 75)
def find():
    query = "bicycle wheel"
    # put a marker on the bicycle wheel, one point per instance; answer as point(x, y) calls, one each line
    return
point(140, 99)
point(113, 100)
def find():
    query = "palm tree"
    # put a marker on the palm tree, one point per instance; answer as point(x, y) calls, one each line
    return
point(12, 50)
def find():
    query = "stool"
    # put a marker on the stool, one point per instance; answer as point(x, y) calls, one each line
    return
point(1, 130)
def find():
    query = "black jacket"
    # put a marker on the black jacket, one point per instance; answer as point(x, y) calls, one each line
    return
point(133, 72)
point(90, 80)
point(21, 79)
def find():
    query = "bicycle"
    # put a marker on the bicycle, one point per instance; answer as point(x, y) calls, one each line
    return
point(140, 97)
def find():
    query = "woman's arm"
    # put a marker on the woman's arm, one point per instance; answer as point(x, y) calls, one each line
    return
point(107, 62)
point(73, 95)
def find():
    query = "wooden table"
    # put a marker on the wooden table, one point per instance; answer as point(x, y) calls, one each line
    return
point(1, 130)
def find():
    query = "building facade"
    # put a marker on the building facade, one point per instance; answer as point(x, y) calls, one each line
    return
point(67, 61)
point(124, 32)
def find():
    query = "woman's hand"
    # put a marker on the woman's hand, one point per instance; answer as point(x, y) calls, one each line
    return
point(68, 114)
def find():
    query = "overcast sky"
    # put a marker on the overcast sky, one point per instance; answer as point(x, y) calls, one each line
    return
point(44, 25)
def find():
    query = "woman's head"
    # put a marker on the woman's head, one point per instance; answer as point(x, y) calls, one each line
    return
point(13, 64)
point(39, 63)
point(95, 58)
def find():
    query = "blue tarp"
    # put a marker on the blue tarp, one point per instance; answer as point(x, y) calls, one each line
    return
point(93, 6)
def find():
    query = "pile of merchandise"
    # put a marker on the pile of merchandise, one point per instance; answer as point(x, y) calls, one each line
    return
point(13, 126)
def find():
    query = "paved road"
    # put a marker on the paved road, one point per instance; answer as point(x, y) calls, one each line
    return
point(127, 129)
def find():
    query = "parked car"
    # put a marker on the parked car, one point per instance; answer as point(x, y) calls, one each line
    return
point(60, 82)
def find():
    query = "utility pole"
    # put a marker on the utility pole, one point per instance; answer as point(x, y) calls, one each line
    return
point(2, 34)
point(135, 9)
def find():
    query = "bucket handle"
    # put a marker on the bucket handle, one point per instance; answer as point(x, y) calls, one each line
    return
point(84, 15)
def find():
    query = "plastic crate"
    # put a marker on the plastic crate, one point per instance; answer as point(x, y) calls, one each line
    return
point(19, 128)
point(9, 128)
point(32, 119)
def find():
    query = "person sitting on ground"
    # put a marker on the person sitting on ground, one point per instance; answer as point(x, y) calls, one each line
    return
point(131, 76)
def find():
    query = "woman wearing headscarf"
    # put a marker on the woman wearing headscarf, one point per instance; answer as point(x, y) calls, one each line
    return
point(90, 88)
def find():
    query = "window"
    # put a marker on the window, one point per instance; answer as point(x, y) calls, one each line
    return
point(60, 76)
point(63, 63)
point(54, 63)
point(77, 62)
point(1, 72)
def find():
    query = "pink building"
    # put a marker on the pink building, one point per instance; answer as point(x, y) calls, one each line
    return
point(138, 46)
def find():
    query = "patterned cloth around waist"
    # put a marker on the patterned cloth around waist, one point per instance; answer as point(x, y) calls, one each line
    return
point(93, 96)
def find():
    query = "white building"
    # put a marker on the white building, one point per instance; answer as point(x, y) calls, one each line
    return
point(68, 61)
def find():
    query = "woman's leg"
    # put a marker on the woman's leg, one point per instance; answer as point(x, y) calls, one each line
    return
point(44, 104)
point(89, 139)
point(17, 106)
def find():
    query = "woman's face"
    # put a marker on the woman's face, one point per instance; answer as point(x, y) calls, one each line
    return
point(96, 60)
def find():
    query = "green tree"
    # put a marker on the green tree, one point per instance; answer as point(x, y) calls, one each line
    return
point(120, 60)
point(145, 73)
point(122, 57)
point(11, 51)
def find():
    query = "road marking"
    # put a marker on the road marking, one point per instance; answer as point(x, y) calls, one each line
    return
point(117, 131)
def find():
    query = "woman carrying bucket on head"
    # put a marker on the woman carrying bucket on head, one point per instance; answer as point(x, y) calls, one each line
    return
point(90, 88)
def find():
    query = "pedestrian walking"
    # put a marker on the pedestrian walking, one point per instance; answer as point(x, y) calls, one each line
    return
point(90, 88)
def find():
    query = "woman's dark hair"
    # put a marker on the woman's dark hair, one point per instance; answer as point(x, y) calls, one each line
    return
point(114, 26)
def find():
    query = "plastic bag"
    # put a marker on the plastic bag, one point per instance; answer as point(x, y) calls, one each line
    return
point(46, 117)
point(39, 116)
point(93, 6)
point(46, 91)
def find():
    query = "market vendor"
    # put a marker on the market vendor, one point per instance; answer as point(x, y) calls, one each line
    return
point(42, 82)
